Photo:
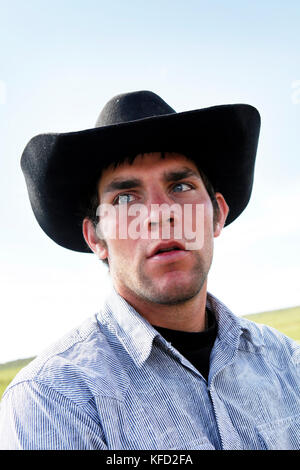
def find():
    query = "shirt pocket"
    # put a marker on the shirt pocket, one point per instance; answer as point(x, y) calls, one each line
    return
point(283, 434)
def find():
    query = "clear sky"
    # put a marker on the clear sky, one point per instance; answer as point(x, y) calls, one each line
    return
point(61, 61)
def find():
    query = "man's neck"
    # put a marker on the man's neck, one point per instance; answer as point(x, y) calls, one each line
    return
point(185, 316)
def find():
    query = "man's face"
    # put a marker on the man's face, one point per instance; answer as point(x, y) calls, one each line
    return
point(138, 267)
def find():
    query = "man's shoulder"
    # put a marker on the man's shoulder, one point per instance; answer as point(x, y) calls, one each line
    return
point(76, 366)
point(275, 345)
point(255, 337)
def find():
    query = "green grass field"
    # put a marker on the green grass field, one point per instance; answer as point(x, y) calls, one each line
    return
point(9, 370)
point(286, 320)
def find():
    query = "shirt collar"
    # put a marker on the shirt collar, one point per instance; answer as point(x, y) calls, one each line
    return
point(228, 325)
point(133, 331)
point(236, 331)
point(137, 334)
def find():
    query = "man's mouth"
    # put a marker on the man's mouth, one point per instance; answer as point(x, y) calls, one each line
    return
point(164, 250)
point(167, 251)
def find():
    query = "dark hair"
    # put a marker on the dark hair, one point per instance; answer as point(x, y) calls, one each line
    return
point(93, 199)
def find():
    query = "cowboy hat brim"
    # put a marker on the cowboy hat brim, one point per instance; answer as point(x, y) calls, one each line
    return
point(60, 169)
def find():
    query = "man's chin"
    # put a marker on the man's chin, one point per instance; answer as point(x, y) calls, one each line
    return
point(172, 286)
point(173, 291)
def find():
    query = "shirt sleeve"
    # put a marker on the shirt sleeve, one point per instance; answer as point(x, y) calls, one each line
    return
point(35, 417)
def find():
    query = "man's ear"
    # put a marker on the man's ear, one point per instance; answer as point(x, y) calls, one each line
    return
point(97, 245)
point(222, 215)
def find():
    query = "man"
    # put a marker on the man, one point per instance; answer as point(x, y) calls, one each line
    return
point(164, 364)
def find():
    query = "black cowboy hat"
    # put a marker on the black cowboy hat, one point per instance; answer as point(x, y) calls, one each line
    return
point(60, 169)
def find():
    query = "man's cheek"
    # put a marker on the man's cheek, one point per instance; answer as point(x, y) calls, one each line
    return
point(106, 227)
point(194, 226)
point(113, 223)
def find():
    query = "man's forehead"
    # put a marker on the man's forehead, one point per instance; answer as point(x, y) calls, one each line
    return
point(166, 164)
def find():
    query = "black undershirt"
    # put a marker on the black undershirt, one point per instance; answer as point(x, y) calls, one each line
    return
point(196, 347)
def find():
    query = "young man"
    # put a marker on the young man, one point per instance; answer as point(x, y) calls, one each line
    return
point(164, 364)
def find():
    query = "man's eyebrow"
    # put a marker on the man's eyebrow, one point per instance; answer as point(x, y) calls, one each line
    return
point(119, 184)
point(130, 183)
point(180, 174)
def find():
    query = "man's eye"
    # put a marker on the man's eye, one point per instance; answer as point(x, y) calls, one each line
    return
point(123, 199)
point(181, 187)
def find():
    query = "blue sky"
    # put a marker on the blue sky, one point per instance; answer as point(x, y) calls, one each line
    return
point(61, 61)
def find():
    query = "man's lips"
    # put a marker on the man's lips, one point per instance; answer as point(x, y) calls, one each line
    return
point(169, 256)
point(167, 251)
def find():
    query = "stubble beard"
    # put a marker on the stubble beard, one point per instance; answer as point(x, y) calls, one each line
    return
point(177, 291)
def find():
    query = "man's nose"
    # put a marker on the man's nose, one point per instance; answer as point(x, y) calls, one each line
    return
point(160, 214)
point(161, 211)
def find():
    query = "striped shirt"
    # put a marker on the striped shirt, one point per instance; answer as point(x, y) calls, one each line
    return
point(116, 383)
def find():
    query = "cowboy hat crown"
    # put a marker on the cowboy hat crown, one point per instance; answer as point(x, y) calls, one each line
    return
point(128, 107)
